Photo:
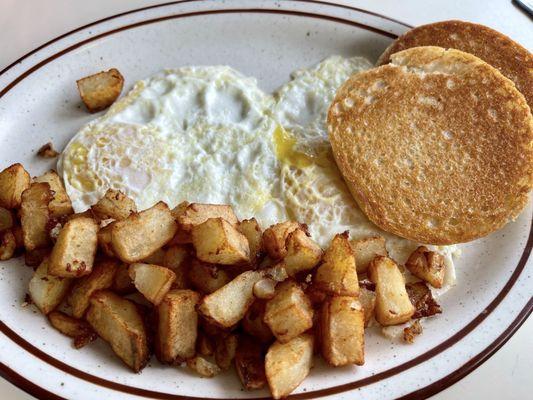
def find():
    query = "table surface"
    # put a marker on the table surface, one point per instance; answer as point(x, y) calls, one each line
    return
point(28, 24)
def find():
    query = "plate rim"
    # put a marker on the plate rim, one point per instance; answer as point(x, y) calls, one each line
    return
point(432, 388)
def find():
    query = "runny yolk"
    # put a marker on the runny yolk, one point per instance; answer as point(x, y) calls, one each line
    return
point(285, 152)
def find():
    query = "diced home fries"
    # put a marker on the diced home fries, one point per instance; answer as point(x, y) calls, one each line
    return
point(141, 234)
point(100, 90)
point(195, 285)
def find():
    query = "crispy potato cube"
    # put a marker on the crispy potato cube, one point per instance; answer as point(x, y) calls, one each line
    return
point(219, 242)
point(337, 275)
point(392, 302)
point(427, 265)
point(251, 229)
point(302, 253)
point(118, 322)
point(151, 280)
point(342, 331)
point(75, 328)
point(141, 234)
point(7, 220)
point(250, 364)
point(367, 298)
point(225, 349)
point(75, 249)
point(207, 278)
point(287, 364)
point(60, 204)
point(422, 299)
point(227, 306)
point(100, 90)
point(253, 322)
point(115, 205)
point(203, 367)
point(8, 245)
point(289, 313)
point(191, 215)
point(365, 250)
point(14, 180)
point(101, 277)
point(275, 237)
point(35, 216)
point(265, 288)
point(176, 258)
point(122, 282)
point(47, 291)
point(177, 326)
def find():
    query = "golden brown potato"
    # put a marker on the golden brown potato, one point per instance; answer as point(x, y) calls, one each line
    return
point(225, 349)
point(250, 364)
point(412, 331)
point(427, 265)
point(219, 242)
point(337, 275)
point(75, 328)
point(13, 181)
point(118, 322)
point(104, 240)
point(100, 90)
point(203, 367)
point(227, 306)
point(101, 277)
point(392, 302)
point(177, 326)
point(122, 282)
point(191, 215)
point(47, 151)
point(302, 254)
point(8, 245)
point(251, 229)
point(342, 331)
point(75, 249)
point(34, 216)
point(151, 280)
point(47, 291)
point(60, 204)
point(265, 288)
point(289, 313)
point(275, 237)
point(365, 250)
point(176, 258)
point(205, 277)
point(7, 220)
point(114, 205)
point(367, 298)
point(141, 234)
point(287, 364)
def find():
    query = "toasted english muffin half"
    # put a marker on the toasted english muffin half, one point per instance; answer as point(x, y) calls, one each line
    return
point(511, 59)
point(436, 146)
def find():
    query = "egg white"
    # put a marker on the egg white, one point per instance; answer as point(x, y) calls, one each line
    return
point(209, 134)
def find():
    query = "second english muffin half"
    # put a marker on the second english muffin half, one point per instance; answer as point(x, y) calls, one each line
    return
point(436, 146)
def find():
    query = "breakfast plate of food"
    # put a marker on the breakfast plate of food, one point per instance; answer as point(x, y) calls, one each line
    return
point(254, 199)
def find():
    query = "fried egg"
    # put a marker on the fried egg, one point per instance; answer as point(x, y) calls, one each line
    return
point(210, 135)
point(201, 134)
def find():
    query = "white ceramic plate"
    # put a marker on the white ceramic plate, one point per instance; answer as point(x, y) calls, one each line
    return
point(268, 40)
